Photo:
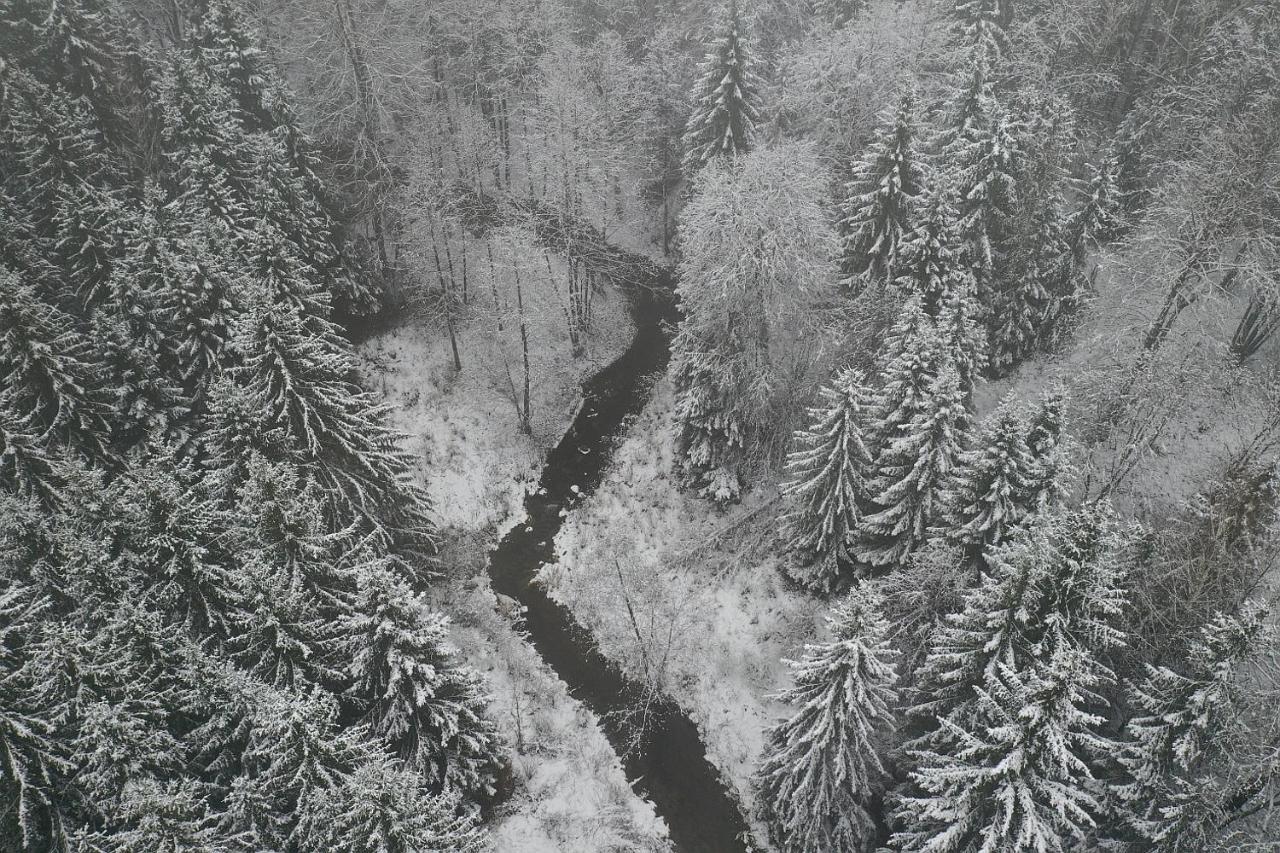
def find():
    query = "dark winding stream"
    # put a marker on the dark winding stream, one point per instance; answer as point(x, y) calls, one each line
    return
point(670, 766)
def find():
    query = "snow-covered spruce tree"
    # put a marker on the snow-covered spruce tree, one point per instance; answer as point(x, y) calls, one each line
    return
point(1018, 777)
point(280, 523)
point(984, 167)
point(1046, 440)
point(53, 145)
point(28, 467)
point(295, 760)
point(428, 707)
point(912, 353)
point(1057, 582)
point(294, 369)
point(822, 767)
point(978, 25)
point(757, 246)
point(51, 378)
point(1098, 220)
point(224, 43)
point(1186, 725)
point(964, 340)
point(73, 45)
point(287, 193)
point(170, 539)
point(995, 486)
point(827, 474)
point(879, 197)
point(208, 156)
point(911, 472)
point(281, 636)
point(725, 99)
point(1030, 304)
point(929, 253)
point(382, 807)
point(36, 765)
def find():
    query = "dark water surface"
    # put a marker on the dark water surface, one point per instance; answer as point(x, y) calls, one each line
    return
point(670, 766)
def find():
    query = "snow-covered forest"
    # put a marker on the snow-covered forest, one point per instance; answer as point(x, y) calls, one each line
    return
point(792, 426)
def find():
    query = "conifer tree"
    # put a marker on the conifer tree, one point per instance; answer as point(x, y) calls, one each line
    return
point(1098, 220)
point(383, 808)
point(985, 164)
point(1031, 303)
point(1185, 724)
point(827, 477)
point(964, 341)
point(912, 353)
point(880, 195)
point(928, 257)
point(1019, 779)
point(34, 761)
point(1057, 583)
point(911, 473)
point(145, 401)
point(68, 44)
point(51, 379)
point(294, 369)
point(208, 155)
point(296, 760)
point(170, 532)
point(837, 13)
point(822, 767)
point(280, 636)
point(224, 44)
point(995, 487)
point(55, 147)
point(28, 468)
point(281, 525)
point(428, 707)
point(725, 99)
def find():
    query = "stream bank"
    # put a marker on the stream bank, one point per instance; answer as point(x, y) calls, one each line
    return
point(668, 763)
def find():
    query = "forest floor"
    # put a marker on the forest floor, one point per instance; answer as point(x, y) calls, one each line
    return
point(570, 789)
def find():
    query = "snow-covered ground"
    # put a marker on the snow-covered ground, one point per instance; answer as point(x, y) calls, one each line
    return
point(713, 616)
point(571, 793)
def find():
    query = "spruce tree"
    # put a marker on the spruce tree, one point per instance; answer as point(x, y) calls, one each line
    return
point(280, 635)
point(879, 197)
point(1019, 778)
point(964, 340)
point(171, 538)
point(837, 13)
point(1056, 583)
point(35, 765)
point(51, 379)
point(928, 257)
point(296, 760)
point(295, 369)
point(1097, 220)
point(912, 353)
point(1185, 725)
point(428, 707)
point(28, 468)
point(985, 164)
point(827, 477)
point(208, 155)
point(995, 487)
point(911, 472)
point(725, 99)
point(822, 767)
point(384, 808)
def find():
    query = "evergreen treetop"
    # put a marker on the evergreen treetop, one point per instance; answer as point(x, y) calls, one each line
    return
point(725, 99)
